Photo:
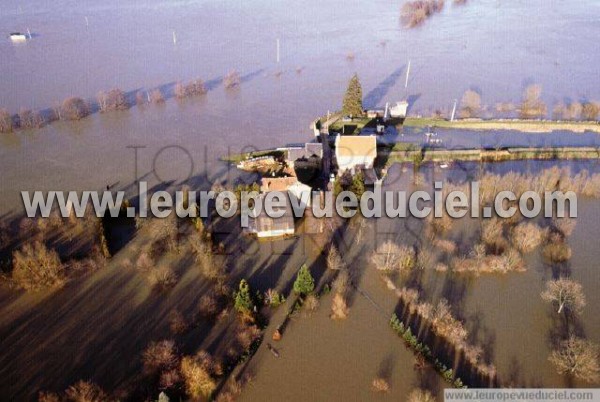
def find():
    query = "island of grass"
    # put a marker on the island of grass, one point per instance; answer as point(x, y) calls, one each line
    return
point(524, 125)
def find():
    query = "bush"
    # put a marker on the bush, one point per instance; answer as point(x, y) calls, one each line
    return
point(232, 80)
point(195, 88)
point(390, 256)
point(590, 111)
point(162, 277)
point(305, 283)
point(74, 109)
point(35, 267)
point(273, 298)
point(112, 100)
point(334, 259)
point(6, 121)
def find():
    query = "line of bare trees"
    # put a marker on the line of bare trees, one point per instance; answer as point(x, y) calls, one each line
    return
point(531, 107)
point(76, 108)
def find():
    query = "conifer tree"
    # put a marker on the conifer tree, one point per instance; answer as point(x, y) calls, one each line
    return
point(352, 105)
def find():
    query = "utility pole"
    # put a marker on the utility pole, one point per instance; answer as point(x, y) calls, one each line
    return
point(278, 51)
point(453, 111)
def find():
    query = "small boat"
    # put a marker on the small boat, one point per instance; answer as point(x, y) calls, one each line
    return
point(273, 350)
point(17, 37)
point(444, 165)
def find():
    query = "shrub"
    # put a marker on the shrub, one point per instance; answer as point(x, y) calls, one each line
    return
point(179, 91)
point(390, 256)
point(304, 283)
point(85, 391)
point(112, 100)
point(74, 109)
point(6, 121)
point(273, 298)
point(231, 80)
point(577, 357)
point(162, 277)
point(35, 267)
point(380, 385)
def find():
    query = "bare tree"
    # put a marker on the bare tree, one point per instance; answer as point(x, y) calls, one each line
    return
point(590, 111)
point(566, 293)
point(420, 395)
point(533, 106)
point(390, 256)
point(74, 109)
point(334, 259)
point(577, 357)
point(156, 96)
point(35, 267)
point(112, 100)
point(6, 121)
point(231, 80)
point(85, 391)
point(471, 104)
point(339, 307)
point(29, 119)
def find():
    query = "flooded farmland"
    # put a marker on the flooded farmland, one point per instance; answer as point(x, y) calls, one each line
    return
point(105, 320)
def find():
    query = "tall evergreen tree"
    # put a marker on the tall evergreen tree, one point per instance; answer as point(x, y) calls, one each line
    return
point(352, 105)
point(243, 300)
point(304, 283)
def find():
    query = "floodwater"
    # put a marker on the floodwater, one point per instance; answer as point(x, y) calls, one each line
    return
point(82, 47)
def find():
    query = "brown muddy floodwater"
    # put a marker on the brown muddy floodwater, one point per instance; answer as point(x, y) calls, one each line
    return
point(98, 327)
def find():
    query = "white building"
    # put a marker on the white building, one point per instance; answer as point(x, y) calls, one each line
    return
point(352, 151)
